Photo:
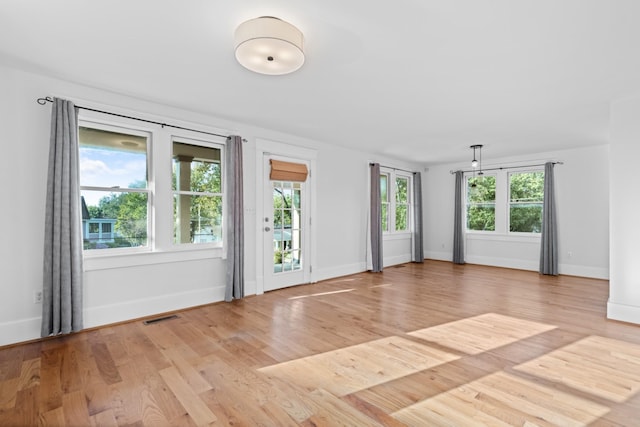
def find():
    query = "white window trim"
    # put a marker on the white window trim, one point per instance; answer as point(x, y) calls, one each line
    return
point(502, 203)
point(161, 248)
point(203, 143)
point(392, 234)
point(508, 204)
point(466, 204)
point(149, 191)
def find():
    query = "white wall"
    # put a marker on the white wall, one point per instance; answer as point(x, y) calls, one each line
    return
point(582, 196)
point(123, 288)
point(624, 287)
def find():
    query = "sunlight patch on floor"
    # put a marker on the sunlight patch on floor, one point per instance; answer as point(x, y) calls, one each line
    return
point(502, 399)
point(361, 366)
point(599, 366)
point(319, 294)
point(478, 334)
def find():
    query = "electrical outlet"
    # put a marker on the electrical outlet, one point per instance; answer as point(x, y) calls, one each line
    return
point(37, 297)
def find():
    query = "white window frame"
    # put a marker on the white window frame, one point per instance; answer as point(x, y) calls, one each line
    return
point(207, 144)
point(161, 247)
point(502, 206)
point(508, 208)
point(466, 205)
point(85, 123)
point(392, 174)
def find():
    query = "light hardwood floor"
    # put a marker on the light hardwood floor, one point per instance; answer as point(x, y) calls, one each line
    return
point(420, 345)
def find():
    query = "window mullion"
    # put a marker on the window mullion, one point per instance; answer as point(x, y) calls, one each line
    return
point(392, 202)
point(502, 202)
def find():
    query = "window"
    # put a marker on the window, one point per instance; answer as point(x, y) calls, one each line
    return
point(481, 203)
point(147, 189)
point(402, 203)
point(526, 191)
point(395, 197)
point(505, 202)
point(114, 187)
point(287, 225)
point(384, 200)
point(197, 193)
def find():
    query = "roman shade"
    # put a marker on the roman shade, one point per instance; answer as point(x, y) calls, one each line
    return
point(287, 171)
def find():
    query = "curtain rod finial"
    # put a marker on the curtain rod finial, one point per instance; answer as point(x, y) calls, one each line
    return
point(43, 101)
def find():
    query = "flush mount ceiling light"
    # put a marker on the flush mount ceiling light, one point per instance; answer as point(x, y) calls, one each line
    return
point(269, 45)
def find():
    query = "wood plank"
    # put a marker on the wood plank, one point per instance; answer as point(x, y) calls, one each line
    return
point(603, 367)
point(75, 408)
point(104, 419)
point(196, 408)
point(482, 333)
point(187, 371)
point(513, 401)
point(361, 366)
point(432, 344)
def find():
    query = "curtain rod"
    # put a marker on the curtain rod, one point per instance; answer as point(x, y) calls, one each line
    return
point(43, 101)
point(395, 169)
point(505, 167)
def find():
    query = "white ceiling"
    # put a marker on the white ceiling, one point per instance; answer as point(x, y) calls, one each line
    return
point(412, 79)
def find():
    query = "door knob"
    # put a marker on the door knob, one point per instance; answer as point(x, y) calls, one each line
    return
point(267, 229)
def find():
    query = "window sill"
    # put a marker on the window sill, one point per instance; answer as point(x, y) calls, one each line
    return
point(501, 237)
point(106, 261)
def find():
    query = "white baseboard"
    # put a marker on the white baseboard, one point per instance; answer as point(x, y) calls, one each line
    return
point(520, 264)
point(19, 331)
point(623, 312)
point(29, 329)
point(333, 272)
point(396, 260)
point(250, 288)
point(113, 313)
point(584, 271)
point(438, 256)
point(529, 265)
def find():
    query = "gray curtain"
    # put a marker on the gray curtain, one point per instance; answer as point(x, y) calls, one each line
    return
point(376, 219)
point(549, 239)
point(234, 220)
point(62, 266)
point(458, 231)
point(418, 242)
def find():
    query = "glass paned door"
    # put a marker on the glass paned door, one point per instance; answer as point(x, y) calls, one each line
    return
point(285, 230)
point(287, 226)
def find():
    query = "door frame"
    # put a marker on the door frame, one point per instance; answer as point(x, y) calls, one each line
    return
point(264, 148)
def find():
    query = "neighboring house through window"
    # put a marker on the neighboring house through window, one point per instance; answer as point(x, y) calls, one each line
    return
point(114, 186)
point(149, 190)
point(197, 190)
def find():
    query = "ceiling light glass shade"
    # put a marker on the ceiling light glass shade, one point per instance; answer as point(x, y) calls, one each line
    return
point(474, 163)
point(269, 45)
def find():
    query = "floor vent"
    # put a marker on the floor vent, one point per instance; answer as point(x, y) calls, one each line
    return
point(160, 319)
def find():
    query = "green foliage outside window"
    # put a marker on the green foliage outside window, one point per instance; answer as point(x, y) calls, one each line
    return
point(525, 202)
point(384, 199)
point(130, 211)
point(481, 203)
point(526, 192)
point(402, 204)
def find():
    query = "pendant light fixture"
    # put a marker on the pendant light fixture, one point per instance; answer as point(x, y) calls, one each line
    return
point(269, 45)
point(475, 163)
